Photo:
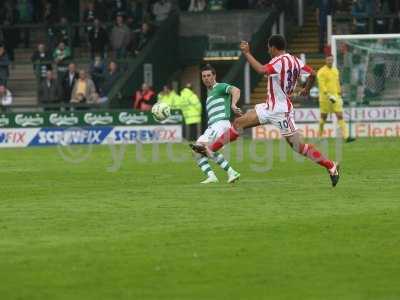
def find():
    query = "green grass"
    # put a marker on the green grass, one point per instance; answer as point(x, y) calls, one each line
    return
point(150, 231)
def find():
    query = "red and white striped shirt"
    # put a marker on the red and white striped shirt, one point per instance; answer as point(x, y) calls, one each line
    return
point(283, 72)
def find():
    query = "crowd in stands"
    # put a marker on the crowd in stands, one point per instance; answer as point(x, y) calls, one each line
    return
point(112, 30)
point(362, 10)
point(78, 86)
point(384, 15)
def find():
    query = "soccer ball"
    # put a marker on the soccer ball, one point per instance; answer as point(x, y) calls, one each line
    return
point(161, 111)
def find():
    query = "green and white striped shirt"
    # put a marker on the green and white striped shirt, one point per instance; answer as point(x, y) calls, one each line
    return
point(218, 103)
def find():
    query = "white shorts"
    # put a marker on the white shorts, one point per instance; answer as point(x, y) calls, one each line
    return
point(283, 121)
point(214, 131)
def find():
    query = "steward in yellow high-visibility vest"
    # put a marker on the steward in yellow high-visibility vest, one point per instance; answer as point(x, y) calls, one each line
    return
point(190, 106)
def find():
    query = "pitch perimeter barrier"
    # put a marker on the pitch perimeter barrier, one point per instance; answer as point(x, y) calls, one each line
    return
point(29, 129)
point(367, 121)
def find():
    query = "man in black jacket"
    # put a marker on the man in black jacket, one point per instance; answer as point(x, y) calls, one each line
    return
point(98, 39)
point(49, 91)
point(68, 82)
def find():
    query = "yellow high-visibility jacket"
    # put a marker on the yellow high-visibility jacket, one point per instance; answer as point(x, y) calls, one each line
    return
point(328, 82)
point(190, 106)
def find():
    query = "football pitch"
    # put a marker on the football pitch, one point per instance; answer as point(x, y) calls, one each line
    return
point(118, 225)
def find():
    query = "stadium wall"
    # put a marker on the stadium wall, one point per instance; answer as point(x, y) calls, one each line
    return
point(363, 122)
point(87, 128)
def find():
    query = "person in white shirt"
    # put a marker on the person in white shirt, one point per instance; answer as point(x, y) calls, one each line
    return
point(5, 96)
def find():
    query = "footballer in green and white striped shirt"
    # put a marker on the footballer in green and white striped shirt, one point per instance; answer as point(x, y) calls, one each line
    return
point(221, 98)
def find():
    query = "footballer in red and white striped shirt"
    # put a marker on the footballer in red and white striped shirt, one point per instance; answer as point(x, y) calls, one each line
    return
point(282, 73)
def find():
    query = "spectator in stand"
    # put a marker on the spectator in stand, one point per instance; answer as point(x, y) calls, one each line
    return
point(144, 98)
point(49, 13)
point(197, 5)
point(109, 79)
point(144, 36)
point(61, 56)
point(4, 65)
point(120, 38)
point(9, 17)
point(6, 98)
point(89, 15)
point(50, 18)
point(97, 71)
point(64, 31)
point(98, 39)
point(41, 60)
point(49, 90)
point(68, 82)
point(359, 12)
point(214, 5)
point(25, 11)
point(323, 9)
point(118, 8)
point(191, 109)
point(169, 96)
point(161, 10)
point(101, 10)
point(135, 10)
point(84, 90)
point(134, 32)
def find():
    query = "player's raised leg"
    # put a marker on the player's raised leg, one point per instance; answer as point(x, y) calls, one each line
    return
point(249, 119)
point(310, 151)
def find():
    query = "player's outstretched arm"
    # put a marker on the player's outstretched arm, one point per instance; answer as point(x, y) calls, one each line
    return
point(254, 63)
point(235, 93)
